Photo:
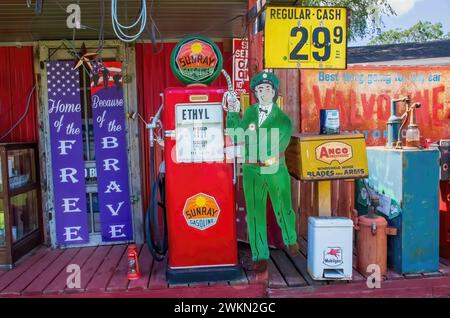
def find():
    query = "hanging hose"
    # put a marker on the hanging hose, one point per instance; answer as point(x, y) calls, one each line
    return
point(156, 241)
point(120, 29)
point(156, 245)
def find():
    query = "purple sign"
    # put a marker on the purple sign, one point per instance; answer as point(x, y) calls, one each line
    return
point(108, 116)
point(64, 109)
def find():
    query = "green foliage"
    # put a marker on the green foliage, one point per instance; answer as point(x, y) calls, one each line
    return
point(420, 32)
point(365, 15)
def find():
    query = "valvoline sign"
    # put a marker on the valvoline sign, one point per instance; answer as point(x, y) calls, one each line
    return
point(201, 211)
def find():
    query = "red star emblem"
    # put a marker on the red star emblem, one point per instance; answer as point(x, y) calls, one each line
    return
point(84, 58)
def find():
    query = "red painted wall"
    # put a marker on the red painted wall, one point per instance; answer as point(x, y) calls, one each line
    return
point(16, 83)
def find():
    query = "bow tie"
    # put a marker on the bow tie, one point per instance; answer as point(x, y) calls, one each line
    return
point(264, 110)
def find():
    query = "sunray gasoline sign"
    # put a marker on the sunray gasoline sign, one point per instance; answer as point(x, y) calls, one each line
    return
point(305, 37)
point(201, 211)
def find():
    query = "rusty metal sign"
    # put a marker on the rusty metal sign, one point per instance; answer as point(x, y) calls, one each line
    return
point(362, 95)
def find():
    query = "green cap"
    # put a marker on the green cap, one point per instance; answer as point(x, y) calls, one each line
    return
point(265, 77)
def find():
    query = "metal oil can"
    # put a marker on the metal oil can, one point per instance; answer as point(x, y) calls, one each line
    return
point(371, 242)
point(329, 121)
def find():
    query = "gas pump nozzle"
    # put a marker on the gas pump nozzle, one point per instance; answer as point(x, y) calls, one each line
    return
point(154, 124)
point(230, 96)
point(157, 248)
point(234, 105)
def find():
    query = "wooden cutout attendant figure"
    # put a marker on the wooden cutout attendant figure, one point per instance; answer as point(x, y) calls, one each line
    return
point(268, 174)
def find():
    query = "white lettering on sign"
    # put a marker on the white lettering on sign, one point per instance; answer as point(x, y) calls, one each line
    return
point(68, 173)
point(241, 79)
point(71, 233)
point(90, 172)
point(116, 231)
point(65, 144)
point(59, 107)
point(113, 186)
point(109, 142)
point(68, 203)
point(116, 211)
point(108, 163)
point(98, 102)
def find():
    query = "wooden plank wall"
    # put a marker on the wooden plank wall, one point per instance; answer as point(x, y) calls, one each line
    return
point(304, 194)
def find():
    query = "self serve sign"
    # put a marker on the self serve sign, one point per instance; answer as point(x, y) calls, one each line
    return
point(305, 37)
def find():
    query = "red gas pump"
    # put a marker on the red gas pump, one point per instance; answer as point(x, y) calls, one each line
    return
point(198, 182)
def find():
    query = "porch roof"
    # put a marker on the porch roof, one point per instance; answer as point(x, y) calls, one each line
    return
point(424, 53)
point(174, 18)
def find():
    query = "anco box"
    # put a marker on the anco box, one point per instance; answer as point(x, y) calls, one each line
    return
point(312, 157)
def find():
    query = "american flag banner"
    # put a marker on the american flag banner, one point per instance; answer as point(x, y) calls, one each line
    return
point(64, 111)
point(108, 116)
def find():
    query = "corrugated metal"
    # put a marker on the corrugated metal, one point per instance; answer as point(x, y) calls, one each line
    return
point(16, 83)
point(173, 18)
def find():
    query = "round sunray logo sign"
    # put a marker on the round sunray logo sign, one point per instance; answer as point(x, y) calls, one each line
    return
point(201, 211)
point(196, 60)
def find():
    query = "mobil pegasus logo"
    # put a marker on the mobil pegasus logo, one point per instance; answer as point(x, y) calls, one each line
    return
point(334, 150)
point(332, 256)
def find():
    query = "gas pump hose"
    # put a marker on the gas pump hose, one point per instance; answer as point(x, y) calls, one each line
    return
point(156, 244)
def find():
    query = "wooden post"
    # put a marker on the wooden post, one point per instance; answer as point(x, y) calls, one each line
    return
point(324, 198)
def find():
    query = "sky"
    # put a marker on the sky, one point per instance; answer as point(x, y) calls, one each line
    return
point(409, 12)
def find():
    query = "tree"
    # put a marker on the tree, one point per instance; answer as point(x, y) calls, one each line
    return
point(420, 32)
point(365, 15)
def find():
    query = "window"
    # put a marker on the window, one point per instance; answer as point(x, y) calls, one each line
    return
point(24, 214)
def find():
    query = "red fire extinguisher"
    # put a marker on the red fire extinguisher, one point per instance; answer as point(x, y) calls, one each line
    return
point(133, 263)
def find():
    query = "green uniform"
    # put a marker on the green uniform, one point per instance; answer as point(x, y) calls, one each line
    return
point(259, 182)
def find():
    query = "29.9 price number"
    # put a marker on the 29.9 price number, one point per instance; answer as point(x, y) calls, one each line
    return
point(321, 40)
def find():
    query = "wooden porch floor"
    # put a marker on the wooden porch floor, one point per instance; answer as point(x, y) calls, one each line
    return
point(42, 273)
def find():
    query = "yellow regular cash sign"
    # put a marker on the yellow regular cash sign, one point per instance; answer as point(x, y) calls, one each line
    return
point(305, 37)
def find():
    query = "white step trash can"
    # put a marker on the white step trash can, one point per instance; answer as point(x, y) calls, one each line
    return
point(330, 248)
